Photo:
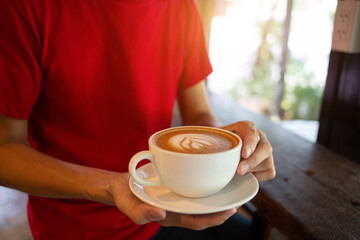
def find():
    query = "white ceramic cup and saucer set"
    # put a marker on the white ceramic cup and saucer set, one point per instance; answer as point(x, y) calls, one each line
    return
point(192, 170)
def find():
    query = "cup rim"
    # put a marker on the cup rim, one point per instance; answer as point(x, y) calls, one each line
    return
point(235, 148)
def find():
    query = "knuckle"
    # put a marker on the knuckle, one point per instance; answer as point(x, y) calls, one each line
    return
point(268, 164)
point(247, 124)
point(270, 148)
point(272, 173)
point(267, 146)
point(263, 134)
point(250, 124)
point(252, 131)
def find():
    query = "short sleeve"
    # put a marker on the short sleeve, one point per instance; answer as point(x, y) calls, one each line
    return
point(196, 63)
point(20, 73)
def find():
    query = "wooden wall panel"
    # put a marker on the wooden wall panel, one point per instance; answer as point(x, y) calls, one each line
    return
point(339, 127)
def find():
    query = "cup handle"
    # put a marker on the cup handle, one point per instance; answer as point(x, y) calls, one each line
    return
point(132, 169)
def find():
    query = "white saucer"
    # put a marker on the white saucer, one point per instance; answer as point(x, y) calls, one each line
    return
point(240, 190)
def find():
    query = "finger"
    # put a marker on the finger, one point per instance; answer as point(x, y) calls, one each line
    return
point(262, 152)
point(250, 139)
point(265, 175)
point(265, 165)
point(138, 211)
point(200, 222)
point(247, 131)
point(197, 222)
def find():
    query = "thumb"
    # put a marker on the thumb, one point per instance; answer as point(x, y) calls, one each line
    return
point(156, 214)
point(138, 211)
point(142, 213)
point(145, 213)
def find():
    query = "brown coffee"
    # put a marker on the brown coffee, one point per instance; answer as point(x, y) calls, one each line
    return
point(195, 140)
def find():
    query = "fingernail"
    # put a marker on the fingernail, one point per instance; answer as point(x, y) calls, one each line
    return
point(154, 216)
point(248, 151)
point(244, 168)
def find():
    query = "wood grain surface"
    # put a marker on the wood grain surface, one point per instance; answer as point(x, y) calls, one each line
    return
point(316, 192)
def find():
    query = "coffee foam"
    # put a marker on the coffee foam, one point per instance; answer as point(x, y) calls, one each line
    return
point(196, 141)
point(189, 142)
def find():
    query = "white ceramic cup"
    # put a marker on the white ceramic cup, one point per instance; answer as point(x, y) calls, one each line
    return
point(189, 174)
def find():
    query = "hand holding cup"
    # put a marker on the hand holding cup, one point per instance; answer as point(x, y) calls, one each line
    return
point(191, 161)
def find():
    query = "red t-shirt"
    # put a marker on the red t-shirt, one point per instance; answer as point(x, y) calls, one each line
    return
point(95, 79)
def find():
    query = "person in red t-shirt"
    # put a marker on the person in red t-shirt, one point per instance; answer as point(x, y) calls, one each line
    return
point(83, 84)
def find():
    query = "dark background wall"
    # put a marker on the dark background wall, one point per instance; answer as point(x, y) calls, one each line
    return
point(340, 114)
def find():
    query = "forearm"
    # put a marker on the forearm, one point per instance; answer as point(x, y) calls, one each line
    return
point(28, 170)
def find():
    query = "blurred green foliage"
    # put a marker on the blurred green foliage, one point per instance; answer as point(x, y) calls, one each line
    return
point(302, 99)
point(302, 94)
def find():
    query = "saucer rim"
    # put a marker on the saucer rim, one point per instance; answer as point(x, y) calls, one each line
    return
point(150, 200)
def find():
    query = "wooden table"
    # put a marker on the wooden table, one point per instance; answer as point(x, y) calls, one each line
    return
point(316, 192)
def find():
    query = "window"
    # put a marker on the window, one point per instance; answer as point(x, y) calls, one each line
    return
point(246, 52)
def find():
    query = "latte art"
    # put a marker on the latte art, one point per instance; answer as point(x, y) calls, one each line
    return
point(188, 142)
point(196, 141)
